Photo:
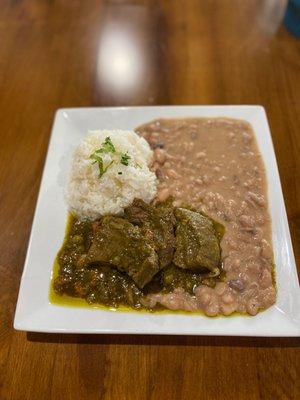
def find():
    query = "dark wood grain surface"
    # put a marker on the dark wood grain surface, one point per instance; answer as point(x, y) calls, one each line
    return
point(64, 53)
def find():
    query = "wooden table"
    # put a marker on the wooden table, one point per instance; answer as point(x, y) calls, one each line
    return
point(94, 53)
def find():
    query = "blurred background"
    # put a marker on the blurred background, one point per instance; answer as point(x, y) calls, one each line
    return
point(143, 52)
point(111, 52)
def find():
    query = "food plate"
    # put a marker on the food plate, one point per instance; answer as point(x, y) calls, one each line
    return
point(34, 311)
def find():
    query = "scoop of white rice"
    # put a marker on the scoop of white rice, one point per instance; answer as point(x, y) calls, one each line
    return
point(90, 196)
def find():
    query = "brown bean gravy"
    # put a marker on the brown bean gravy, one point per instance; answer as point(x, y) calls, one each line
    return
point(214, 165)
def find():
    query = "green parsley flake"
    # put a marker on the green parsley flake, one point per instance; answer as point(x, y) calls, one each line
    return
point(106, 148)
point(125, 157)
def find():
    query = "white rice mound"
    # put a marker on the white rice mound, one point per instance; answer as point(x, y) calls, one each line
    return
point(90, 197)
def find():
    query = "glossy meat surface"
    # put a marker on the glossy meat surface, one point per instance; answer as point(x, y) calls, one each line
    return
point(197, 246)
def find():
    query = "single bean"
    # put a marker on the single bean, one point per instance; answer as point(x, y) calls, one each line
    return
point(160, 156)
point(163, 194)
point(220, 288)
point(227, 309)
point(172, 174)
point(266, 250)
point(236, 284)
point(252, 307)
point(227, 298)
point(212, 309)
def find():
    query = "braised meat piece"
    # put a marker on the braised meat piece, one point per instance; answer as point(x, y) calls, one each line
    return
point(157, 224)
point(119, 243)
point(197, 246)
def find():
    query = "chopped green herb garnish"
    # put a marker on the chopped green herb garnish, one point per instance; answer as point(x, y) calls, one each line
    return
point(108, 147)
point(97, 159)
point(125, 157)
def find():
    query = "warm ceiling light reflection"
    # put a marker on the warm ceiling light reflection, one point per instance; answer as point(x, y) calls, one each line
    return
point(119, 60)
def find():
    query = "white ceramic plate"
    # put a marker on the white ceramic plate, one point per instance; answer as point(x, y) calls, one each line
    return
point(34, 311)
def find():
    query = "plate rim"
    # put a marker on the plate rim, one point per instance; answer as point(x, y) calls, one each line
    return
point(23, 324)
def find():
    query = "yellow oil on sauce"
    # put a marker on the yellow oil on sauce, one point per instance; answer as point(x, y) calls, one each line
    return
point(76, 302)
point(64, 300)
point(68, 301)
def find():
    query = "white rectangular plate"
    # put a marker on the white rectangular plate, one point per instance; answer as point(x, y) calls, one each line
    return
point(34, 311)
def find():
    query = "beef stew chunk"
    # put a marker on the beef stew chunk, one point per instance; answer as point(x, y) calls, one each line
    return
point(119, 260)
point(157, 224)
point(197, 246)
point(119, 243)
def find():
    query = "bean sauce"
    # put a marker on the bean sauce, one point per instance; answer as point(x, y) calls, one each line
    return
point(214, 165)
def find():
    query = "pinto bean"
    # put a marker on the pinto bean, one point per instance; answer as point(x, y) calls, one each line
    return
point(201, 154)
point(266, 250)
point(232, 264)
point(257, 199)
point(260, 220)
point(205, 299)
point(220, 288)
point(268, 296)
point(247, 220)
point(203, 294)
point(163, 194)
point(160, 156)
point(256, 251)
point(227, 298)
point(236, 284)
point(172, 174)
point(252, 307)
point(212, 309)
point(227, 309)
